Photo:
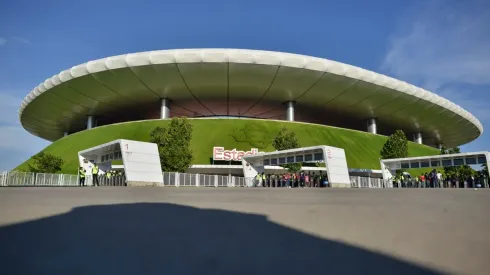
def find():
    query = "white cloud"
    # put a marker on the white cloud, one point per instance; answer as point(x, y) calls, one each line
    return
point(470, 100)
point(444, 46)
point(444, 43)
point(21, 40)
point(17, 39)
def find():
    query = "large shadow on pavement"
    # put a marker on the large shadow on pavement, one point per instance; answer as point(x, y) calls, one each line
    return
point(159, 238)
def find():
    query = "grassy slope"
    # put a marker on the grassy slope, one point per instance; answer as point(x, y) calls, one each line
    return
point(362, 149)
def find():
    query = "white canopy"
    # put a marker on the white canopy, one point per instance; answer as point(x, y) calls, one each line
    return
point(473, 158)
point(141, 160)
point(334, 158)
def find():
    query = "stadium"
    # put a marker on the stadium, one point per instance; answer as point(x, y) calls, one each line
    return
point(239, 99)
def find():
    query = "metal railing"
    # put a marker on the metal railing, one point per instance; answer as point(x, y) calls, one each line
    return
point(365, 182)
point(411, 183)
point(37, 179)
point(196, 180)
point(15, 178)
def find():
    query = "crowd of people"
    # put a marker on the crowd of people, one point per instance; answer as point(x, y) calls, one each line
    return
point(292, 180)
point(435, 179)
point(110, 178)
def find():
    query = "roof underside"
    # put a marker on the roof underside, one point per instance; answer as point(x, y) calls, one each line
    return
point(102, 86)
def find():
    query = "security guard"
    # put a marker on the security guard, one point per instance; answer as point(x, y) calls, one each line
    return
point(95, 174)
point(257, 178)
point(109, 175)
point(81, 181)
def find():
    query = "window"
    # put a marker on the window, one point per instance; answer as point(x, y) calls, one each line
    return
point(458, 162)
point(424, 164)
point(415, 165)
point(318, 156)
point(282, 160)
point(470, 161)
point(266, 161)
point(290, 159)
point(435, 163)
point(299, 158)
point(308, 157)
point(273, 161)
point(482, 160)
point(447, 162)
point(405, 166)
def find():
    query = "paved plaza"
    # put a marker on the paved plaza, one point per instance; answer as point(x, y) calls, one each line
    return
point(243, 231)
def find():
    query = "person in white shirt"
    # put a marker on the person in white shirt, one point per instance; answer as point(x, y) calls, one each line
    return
point(439, 179)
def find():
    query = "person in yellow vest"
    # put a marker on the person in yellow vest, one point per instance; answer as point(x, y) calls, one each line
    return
point(95, 174)
point(264, 181)
point(81, 180)
point(257, 178)
point(108, 174)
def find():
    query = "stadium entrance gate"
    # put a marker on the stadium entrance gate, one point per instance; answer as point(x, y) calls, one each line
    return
point(141, 161)
point(333, 157)
point(389, 166)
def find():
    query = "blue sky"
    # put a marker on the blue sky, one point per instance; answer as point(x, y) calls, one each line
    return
point(443, 46)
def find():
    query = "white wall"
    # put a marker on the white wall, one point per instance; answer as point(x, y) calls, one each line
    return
point(141, 161)
point(250, 170)
point(336, 164)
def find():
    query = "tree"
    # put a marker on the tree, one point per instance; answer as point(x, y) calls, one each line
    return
point(396, 146)
point(285, 140)
point(46, 163)
point(174, 144)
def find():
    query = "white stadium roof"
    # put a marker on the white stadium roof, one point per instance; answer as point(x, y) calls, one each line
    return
point(101, 85)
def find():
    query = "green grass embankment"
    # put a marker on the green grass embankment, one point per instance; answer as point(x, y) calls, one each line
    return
point(362, 149)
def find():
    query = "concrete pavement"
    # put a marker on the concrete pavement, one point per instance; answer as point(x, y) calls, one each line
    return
point(243, 231)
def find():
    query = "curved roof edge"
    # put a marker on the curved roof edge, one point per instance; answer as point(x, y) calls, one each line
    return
point(245, 56)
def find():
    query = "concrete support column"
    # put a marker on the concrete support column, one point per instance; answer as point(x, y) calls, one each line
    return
point(165, 108)
point(372, 126)
point(417, 138)
point(90, 122)
point(290, 111)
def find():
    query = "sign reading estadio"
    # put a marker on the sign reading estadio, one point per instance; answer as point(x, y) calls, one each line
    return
point(219, 153)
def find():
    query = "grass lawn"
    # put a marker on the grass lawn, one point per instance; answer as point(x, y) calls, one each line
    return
point(362, 149)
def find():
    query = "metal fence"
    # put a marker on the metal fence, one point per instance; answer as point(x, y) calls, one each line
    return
point(365, 182)
point(411, 183)
point(200, 180)
point(196, 180)
point(37, 179)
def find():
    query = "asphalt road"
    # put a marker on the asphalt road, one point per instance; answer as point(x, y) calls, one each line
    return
point(243, 231)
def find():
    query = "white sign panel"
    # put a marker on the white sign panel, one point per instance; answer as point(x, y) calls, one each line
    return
point(336, 165)
point(141, 161)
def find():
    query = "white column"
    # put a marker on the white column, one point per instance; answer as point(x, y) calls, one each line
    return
point(290, 111)
point(165, 108)
point(417, 138)
point(371, 126)
point(90, 122)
